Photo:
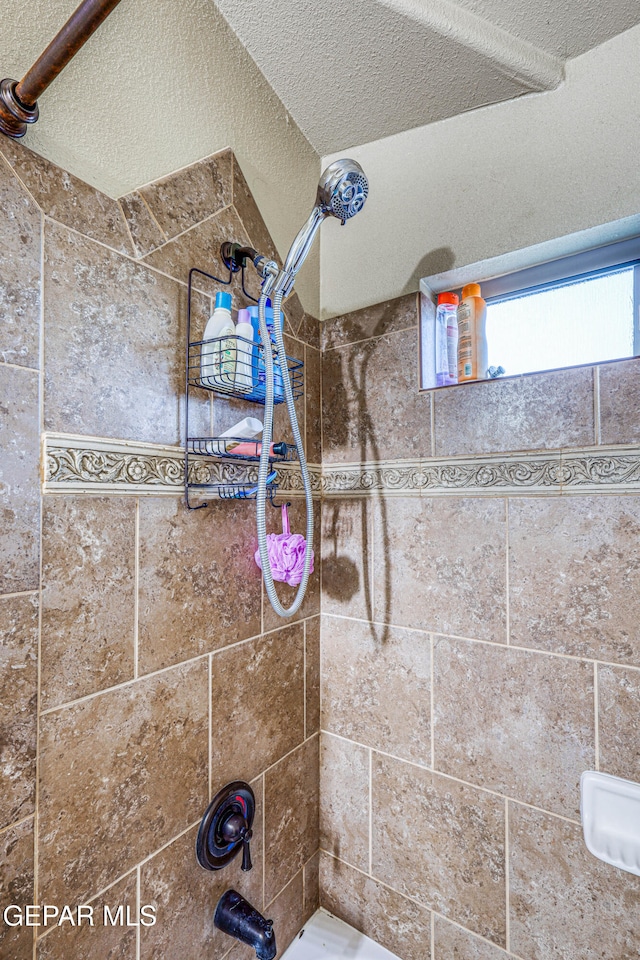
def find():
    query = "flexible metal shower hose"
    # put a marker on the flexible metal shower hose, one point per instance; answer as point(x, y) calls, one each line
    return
point(267, 435)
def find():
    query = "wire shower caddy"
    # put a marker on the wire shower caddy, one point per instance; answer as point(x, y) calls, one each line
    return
point(231, 367)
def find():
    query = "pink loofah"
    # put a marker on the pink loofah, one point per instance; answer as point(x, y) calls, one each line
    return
point(286, 553)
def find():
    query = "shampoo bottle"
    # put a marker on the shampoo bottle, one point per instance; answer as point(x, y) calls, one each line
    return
point(246, 367)
point(446, 340)
point(218, 353)
point(473, 356)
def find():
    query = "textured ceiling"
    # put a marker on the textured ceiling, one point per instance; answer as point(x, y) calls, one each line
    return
point(357, 72)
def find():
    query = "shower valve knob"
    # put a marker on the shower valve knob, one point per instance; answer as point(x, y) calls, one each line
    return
point(226, 826)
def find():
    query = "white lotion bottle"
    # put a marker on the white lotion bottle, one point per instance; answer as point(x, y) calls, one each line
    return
point(245, 353)
point(218, 353)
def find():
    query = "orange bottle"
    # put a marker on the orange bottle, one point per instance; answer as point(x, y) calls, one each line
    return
point(473, 354)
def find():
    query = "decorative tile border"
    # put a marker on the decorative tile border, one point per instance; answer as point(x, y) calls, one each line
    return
point(596, 469)
point(87, 465)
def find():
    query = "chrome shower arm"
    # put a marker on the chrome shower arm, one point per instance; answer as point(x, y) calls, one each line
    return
point(298, 253)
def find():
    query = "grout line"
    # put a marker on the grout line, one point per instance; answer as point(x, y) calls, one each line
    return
point(210, 712)
point(19, 366)
point(20, 593)
point(506, 877)
point(22, 183)
point(433, 935)
point(506, 563)
point(127, 227)
point(489, 643)
point(304, 676)
point(267, 906)
point(432, 717)
point(41, 360)
point(264, 837)
point(596, 406)
point(596, 705)
point(448, 776)
point(423, 906)
point(370, 811)
point(299, 746)
point(18, 823)
point(136, 587)
point(159, 672)
point(174, 173)
point(380, 336)
point(151, 213)
point(138, 905)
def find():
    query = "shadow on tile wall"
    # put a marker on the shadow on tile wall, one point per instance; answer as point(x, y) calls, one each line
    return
point(478, 653)
point(156, 666)
point(474, 655)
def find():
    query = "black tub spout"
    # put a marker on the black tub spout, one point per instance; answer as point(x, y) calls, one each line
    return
point(235, 915)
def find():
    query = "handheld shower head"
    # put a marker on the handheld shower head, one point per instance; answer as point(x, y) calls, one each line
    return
point(342, 190)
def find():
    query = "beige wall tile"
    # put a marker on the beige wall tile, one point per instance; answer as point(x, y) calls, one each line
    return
point(380, 913)
point(347, 553)
point(20, 486)
point(18, 705)
point(67, 199)
point(619, 402)
point(183, 199)
point(313, 402)
point(199, 584)
point(564, 902)
point(344, 800)
point(441, 843)
point(376, 687)
point(20, 267)
point(287, 913)
point(291, 816)
point(146, 235)
point(257, 704)
point(120, 775)
point(453, 943)
point(287, 594)
point(440, 565)
point(574, 575)
point(538, 412)
point(113, 343)
point(88, 599)
point(200, 247)
point(371, 407)
point(527, 727)
point(619, 731)
point(309, 331)
point(311, 886)
point(281, 426)
point(16, 887)
point(312, 667)
point(185, 897)
point(375, 321)
point(85, 942)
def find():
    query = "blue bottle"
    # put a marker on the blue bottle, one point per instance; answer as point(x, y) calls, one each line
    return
point(278, 389)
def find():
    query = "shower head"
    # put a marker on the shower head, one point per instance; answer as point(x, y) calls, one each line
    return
point(342, 192)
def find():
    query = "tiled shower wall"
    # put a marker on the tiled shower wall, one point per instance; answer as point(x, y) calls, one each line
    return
point(141, 668)
point(480, 649)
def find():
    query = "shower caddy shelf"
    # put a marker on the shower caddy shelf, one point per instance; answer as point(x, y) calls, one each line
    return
point(230, 371)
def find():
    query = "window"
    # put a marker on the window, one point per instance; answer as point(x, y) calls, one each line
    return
point(575, 310)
